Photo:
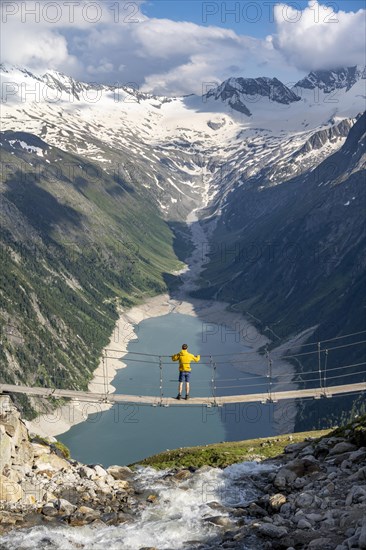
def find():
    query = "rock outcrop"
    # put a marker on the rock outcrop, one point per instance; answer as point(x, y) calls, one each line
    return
point(313, 496)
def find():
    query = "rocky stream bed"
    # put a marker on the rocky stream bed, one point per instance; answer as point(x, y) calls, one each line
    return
point(311, 496)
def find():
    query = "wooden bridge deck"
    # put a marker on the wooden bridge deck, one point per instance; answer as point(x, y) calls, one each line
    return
point(315, 393)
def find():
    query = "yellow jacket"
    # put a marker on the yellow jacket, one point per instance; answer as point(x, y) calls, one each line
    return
point(185, 358)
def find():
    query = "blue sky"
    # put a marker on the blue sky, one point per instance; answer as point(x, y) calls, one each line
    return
point(249, 17)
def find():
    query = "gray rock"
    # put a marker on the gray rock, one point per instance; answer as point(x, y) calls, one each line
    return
point(272, 531)
point(361, 474)
point(256, 510)
point(304, 500)
point(284, 478)
point(64, 506)
point(304, 466)
point(353, 542)
point(346, 465)
point(309, 450)
point(49, 510)
point(342, 447)
point(358, 456)
point(299, 483)
point(86, 472)
point(221, 521)
point(278, 520)
point(6, 449)
point(329, 523)
point(120, 473)
point(314, 517)
point(355, 494)
point(101, 472)
point(304, 524)
point(339, 458)
point(320, 543)
point(84, 515)
point(296, 447)
point(362, 536)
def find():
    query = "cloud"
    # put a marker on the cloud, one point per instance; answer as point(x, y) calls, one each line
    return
point(96, 42)
point(204, 55)
point(318, 38)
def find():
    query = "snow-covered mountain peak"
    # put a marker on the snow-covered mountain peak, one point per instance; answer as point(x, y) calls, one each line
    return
point(238, 92)
point(328, 81)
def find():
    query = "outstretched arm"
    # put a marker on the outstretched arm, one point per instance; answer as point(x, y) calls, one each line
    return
point(196, 358)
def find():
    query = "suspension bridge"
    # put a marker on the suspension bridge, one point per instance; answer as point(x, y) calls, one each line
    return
point(324, 381)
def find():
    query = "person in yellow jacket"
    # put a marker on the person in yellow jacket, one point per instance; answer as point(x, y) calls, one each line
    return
point(185, 358)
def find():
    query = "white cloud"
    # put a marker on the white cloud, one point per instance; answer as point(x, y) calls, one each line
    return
point(319, 38)
point(169, 57)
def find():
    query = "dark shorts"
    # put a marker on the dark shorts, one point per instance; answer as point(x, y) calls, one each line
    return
point(184, 376)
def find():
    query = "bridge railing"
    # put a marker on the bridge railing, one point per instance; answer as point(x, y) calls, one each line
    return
point(255, 374)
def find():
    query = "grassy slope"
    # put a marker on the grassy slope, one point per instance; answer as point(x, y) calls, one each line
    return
point(73, 247)
point(224, 454)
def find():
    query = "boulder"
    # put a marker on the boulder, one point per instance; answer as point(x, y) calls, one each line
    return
point(304, 500)
point(182, 475)
point(39, 450)
point(9, 428)
point(6, 448)
point(122, 485)
point(10, 491)
point(320, 543)
point(64, 506)
point(51, 463)
point(284, 477)
point(23, 454)
point(304, 466)
point(362, 536)
point(49, 510)
point(86, 472)
point(100, 472)
point(86, 514)
point(357, 493)
point(303, 524)
point(272, 531)
point(276, 501)
point(296, 447)
point(342, 447)
point(120, 473)
point(221, 521)
point(358, 456)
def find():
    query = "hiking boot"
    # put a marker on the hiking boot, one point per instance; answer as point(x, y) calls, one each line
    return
point(179, 396)
point(187, 397)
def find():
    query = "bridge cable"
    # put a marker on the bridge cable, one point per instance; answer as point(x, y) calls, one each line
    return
point(212, 377)
point(248, 352)
point(325, 369)
point(105, 377)
point(161, 381)
point(320, 367)
point(269, 374)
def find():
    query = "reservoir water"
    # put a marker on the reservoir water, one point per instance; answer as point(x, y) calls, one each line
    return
point(128, 433)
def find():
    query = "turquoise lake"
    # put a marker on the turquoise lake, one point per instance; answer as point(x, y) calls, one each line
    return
point(128, 433)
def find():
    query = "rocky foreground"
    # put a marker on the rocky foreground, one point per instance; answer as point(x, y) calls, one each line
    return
point(315, 497)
